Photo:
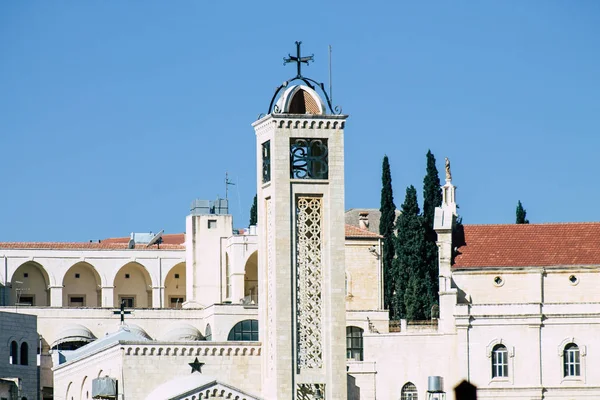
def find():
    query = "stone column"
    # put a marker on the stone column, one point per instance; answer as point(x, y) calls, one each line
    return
point(56, 296)
point(158, 300)
point(237, 287)
point(107, 296)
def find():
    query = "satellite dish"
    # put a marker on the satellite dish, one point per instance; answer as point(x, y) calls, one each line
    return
point(157, 239)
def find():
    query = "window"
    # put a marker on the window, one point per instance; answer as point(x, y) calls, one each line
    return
point(266, 161)
point(208, 333)
point(128, 300)
point(14, 350)
point(176, 276)
point(354, 343)
point(571, 361)
point(499, 361)
point(77, 276)
point(176, 302)
point(244, 331)
point(409, 392)
point(24, 354)
point(26, 300)
point(308, 158)
point(127, 276)
point(76, 301)
point(212, 224)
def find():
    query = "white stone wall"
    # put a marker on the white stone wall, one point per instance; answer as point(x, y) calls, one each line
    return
point(20, 328)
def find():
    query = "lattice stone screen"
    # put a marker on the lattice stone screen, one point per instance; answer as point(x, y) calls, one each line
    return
point(309, 274)
point(310, 391)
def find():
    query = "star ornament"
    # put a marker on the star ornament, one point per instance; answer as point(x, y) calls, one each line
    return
point(196, 366)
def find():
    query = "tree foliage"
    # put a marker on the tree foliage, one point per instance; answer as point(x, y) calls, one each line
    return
point(253, 212)
point(521, 214)
point(432, 198)
point(409, 296)
point(386, 229)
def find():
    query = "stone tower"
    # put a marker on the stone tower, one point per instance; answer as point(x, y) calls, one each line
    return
point(300, 169)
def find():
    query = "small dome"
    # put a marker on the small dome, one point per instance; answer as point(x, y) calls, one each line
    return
point(138, 330)
point(74, 333)
point(181, 385)
point(182, 332)
point(300, 99)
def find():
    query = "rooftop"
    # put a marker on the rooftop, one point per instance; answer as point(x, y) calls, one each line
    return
point(530, 245)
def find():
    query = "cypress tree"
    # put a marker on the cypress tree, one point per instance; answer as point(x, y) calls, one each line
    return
point(410, 298)
point(432, 198)
point(386, 229)
point(253, 212)
point(521, 214)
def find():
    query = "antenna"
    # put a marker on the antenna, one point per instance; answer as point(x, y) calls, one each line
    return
point(157, 239)
point(330, 90)
point(227, 183)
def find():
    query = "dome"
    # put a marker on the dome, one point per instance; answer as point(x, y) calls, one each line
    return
point(74, 333)
point(300, 99)
point(181, 332)
point(138, 330)
point(181, 385)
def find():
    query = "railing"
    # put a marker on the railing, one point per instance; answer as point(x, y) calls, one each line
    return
point(396, 325)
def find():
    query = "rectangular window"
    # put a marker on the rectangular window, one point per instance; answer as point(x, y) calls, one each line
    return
point(176, 302)
point(212, 224)
point(26, 300)
point(128, 300)
point(500, 362)
point(76, 301)
point(309, 159)
point(266, 161)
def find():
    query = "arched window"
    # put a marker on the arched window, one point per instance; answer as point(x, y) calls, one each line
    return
point(354, 343)
point(409, 392)
point(244, 331)
point(24, 354)
point(208, 332)
point(14, 351)
point(572, 364)
point(499, 361)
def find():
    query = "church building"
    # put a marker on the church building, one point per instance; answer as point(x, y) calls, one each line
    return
point(292, 308)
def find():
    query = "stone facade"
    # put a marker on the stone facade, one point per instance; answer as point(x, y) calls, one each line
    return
point(18, 356)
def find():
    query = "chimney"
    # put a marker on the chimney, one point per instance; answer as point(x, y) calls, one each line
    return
point(363, 220)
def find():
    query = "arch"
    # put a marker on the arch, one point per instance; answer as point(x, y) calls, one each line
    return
point(208, 332)
point(82, 394)
point(24, 356)
point(251, 279)
point(29, 285)
point(571, 361)
point(499, 361)
point(409, 392)
point(246, 330)
point(354, 343)
point(300, 99)
point(175, 284)
point(133, 285)
point(81, 286)
point(14, 353)
point(68, 391)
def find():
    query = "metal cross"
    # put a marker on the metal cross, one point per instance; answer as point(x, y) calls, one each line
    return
point(298, 59)
point(122, 312)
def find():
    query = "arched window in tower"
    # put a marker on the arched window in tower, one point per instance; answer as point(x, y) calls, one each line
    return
point(499, 361)
point(409, 392)
point(571, 360)
point(24, 353)
point(354, 343)
point(14, 351)
point(246, 330)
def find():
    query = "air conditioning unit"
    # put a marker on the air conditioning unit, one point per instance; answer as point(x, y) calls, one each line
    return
point(104, 388)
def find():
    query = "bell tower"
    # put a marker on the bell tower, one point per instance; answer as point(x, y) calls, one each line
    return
point(300, 187)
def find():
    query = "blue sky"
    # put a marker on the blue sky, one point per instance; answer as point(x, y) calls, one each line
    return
point(115, 115)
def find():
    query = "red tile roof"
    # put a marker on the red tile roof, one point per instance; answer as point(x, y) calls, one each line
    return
point(353, 232)
point(171, 241)
point(526, 245)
